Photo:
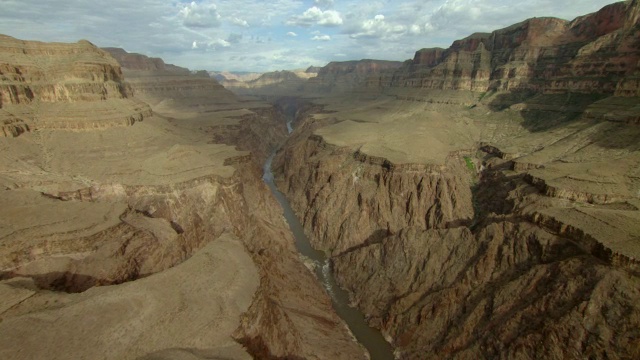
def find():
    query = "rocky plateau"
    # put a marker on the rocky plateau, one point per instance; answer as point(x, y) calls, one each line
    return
point(475, 202)
point(482, 201)
point(135, 223)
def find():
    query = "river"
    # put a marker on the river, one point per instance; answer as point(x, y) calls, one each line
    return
point(370, 338)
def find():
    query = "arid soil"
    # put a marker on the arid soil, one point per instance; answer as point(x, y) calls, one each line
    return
point(477, 202)
point(485, 217)
point(146, 232)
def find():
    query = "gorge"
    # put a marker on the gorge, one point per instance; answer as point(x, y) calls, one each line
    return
point(476, 202)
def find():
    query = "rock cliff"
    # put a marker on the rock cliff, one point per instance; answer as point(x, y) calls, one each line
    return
point(593, 53)
point(55, 86)
point(159, 239)
point(340, 76)
point(503, 225)
point(462, 252)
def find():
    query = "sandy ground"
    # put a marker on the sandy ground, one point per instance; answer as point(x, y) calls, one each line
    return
point(194, 306)
point(400, 131)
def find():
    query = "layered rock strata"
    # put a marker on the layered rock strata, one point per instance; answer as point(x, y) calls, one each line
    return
point(472, 232)
point(340, 76)
point(596, 53)
point(154, 240)
point(58, 86)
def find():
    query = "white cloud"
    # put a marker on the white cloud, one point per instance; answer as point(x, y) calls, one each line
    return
point(292, 34)
point(217, 43)
point(378, 28)
point(239, 22)
point(321, 38)
point(157, 27)
point(194, 45)
point(199, 15)
point(315, 16)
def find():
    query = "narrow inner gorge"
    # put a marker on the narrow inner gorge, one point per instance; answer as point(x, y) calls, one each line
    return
point(474, 201)
point(372, 339)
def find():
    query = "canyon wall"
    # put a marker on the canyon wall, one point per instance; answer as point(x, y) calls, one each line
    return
point(272, 84)
point(453, 262)
point(133, 61)
point(593, 53)
point(503, 225)
point(338, 76)
point(158, 239)
point(335, 77)
point(154, 82)
point(56, 85)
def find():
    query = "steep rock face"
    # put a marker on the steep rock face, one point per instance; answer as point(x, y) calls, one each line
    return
point(449, 293)
point(163, 200)
point(345, 75)
point(492, 263)
point(51, 85)
point(371, 196)
point(592, 53)
point(133, 61)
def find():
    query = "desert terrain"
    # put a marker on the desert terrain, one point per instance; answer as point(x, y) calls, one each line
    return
point(124, 216)
point(476, 202)
point(481, 201)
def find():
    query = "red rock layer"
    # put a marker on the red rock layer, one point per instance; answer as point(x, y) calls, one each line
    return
point(135, 61)
point(593, 53)
point(56, 85)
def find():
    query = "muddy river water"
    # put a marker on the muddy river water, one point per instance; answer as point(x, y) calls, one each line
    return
point(369, 337)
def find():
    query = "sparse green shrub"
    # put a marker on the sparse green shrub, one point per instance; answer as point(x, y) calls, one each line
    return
point(470, 164)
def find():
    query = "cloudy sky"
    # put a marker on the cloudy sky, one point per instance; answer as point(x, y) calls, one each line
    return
point(254, 35)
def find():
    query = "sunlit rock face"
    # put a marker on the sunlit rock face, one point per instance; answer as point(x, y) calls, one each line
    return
point(55, 86)
point(154, 239)
point(593, 53)
point(482, 201)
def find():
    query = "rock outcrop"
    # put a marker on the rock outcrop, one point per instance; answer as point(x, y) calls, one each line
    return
point(139, 223)
point(453, 261)
point(596, 53)
point(56, 86)
point(338, 76)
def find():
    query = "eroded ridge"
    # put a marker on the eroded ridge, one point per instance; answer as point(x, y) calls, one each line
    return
point(479, 235)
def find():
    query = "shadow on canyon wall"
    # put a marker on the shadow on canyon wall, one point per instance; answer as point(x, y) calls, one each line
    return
point(67, 281)
point(546, 112)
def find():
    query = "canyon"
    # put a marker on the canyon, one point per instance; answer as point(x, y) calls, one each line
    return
point(479, 201)
point(151, 238)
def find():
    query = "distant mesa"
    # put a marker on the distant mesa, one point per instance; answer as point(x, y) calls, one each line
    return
point(222, 76)
point(596, 52)
point(134, 61)
point(334, 77)
point(56, 85)
point(271, 83)
point(156, 82)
